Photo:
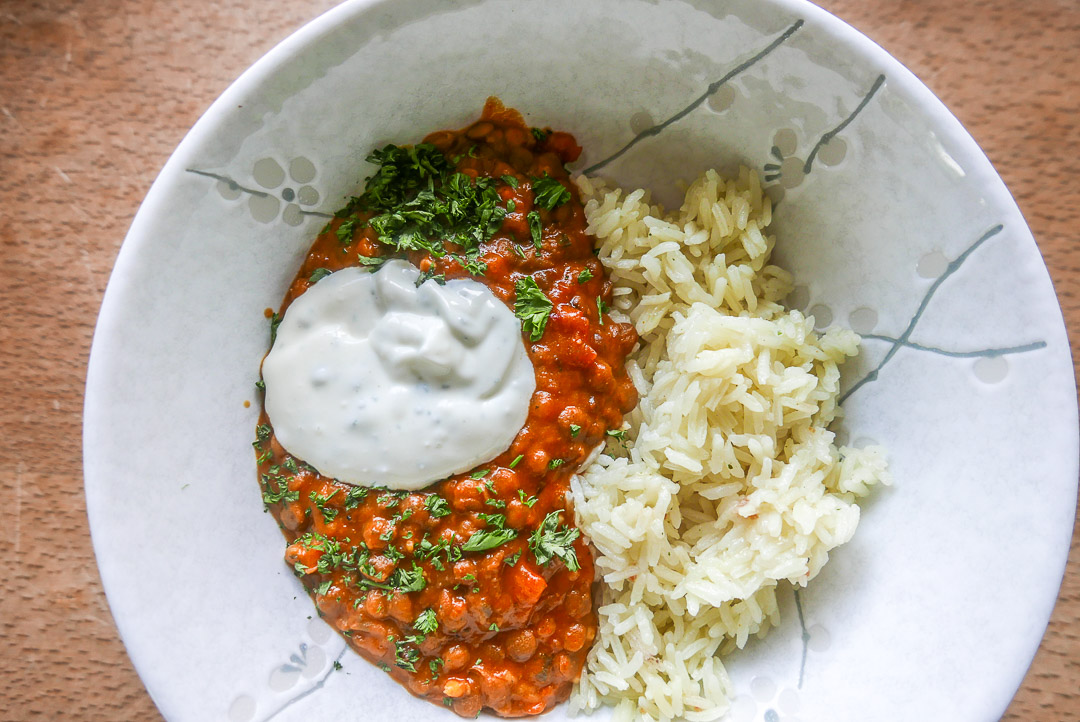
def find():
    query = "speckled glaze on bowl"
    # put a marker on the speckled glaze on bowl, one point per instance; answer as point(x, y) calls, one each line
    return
point(888, 213)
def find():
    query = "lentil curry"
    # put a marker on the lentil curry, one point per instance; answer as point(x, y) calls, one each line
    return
point(477, 591)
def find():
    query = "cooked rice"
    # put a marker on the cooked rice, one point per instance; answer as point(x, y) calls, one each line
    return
point(728, 481)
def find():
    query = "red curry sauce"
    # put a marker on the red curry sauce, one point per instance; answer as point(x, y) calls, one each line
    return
point(500, 629)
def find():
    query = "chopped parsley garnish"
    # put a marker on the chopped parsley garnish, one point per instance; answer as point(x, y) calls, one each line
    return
point(401, 173)
point(527, 500)
point(318, 274)
point(430, 275)
point(420, 203)
point(427, 550)
point(275, 321)
point(262, 433)
point(354, 496)
point(510, 181)
point(337, 666)
point(374, 262)
point(390, 499)
point(601, 307)
point(585, 275)
point(517, 460)
point(493, 627)
point(260, 385)
point(485, 539)
point(494, 520)
point(550, 193)
point(479, 473)
point(620, 434)
point(426, 622)
point(276, 489)
point(406, 657)
point(555, 463)
point(551, 541)
point(540, 134)
point(344, 232)
point(332, 556)
point(474, 266)
point(324, 587)
point(574, 431)
point(534, 229)
point(437, 506)
point(329, 513)
point(532, 307)
point(497, 503)
point(511, 206)
point(409, 580)
point(513, 559)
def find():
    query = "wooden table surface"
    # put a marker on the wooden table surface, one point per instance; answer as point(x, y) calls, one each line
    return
point(94, 96)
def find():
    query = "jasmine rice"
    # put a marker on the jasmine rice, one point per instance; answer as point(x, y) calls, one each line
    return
point(727, 481)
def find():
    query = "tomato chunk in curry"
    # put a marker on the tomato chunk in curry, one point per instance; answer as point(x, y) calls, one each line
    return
point(477, 591)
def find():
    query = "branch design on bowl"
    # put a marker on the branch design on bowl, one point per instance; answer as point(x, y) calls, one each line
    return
point(311, 663)
point(264, 205)
point(713, 87)
point(992, 368)
point(789, 171)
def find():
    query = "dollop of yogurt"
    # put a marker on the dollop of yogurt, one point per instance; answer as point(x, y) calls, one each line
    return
point(375, 381)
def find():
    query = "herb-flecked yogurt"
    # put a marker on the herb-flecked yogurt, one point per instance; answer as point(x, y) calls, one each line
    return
point(376, 381)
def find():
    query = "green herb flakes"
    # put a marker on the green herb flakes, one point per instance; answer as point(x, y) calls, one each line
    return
point(485, 539)
point(406, 657)
point(318, 274)
point(535, 228)
point(354, 496)
point(532, 307)
point(409, 580)
point(437, 506)
point(554, 541)
point(550, 193)
point(344, 232)
point(426, 622)
point(494, 520)
point(372, 262)
point(430, 275)
point(275, 321)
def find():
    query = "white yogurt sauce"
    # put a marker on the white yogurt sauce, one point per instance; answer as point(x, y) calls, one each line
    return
point(374, 381)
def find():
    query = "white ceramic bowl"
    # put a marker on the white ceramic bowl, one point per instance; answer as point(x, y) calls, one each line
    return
point(891, 218)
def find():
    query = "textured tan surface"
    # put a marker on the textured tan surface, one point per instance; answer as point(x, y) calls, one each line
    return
point(95, 95)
